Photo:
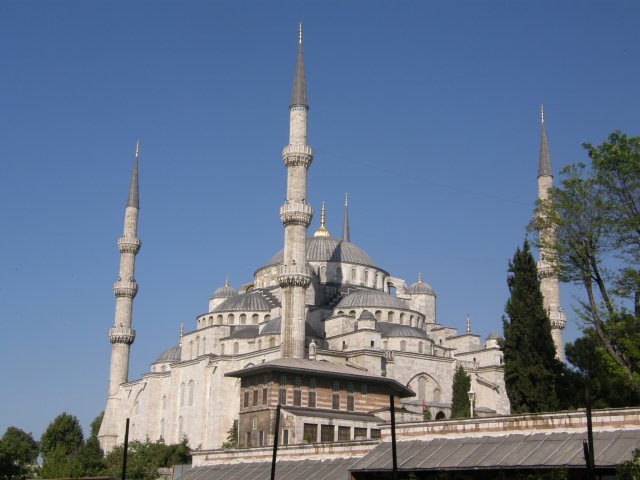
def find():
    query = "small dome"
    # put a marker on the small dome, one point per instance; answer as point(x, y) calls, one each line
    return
point(394, 330)
point(420, 287)
point(225, 291)
point(246, 302)
point(370, 298)
point(367, 315)
point(494, 336)
point(272, 327)
point(327, 249)
point(170, 355)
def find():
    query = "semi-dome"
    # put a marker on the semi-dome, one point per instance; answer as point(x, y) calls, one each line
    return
point(252, 301)
point(420, 287)
point(394, 330)
point(494, 336)
point(370, 298)
point(170, 355)
point(225, 291)
point(367, 315)
point(328, 249)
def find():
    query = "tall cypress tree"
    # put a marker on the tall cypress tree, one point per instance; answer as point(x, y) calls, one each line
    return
point(530, 367)
point(460, 404)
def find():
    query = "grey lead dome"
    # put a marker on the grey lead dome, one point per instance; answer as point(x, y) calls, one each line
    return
point(252, 301)
point(370, 298)
point(170, 355)
point(328, 249)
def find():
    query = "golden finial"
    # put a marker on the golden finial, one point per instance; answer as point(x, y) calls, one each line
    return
point(419, 277)
point(346, 199)
point(181, 332)
point(300, 33)
point(137, 147)
point(322, 231)
point(226, 280)
point(542, 113)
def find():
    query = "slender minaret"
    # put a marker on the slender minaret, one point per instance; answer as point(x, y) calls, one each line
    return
point(345, 222)
point(121, 335)
point(548, 279)
point(296, 214)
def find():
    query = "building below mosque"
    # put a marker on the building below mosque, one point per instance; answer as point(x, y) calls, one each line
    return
point(321, 329)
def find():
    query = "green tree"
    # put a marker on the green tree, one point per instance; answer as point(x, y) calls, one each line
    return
point(145, 458)
point(61, 445)
point(460, 405)
point(595, 217)
point(232, 437)
point(630, 470)
point(90, 455)
point(18, 452)
point(530, 368)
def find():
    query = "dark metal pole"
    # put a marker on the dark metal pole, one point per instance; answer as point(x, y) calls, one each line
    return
point(394, 455)
point(275, 444)
point(126, 449)
point(587, 397)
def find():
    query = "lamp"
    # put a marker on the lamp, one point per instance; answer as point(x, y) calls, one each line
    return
point(472, 397)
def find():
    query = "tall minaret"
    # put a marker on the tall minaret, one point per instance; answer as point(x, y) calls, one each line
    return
point(548, 279)
point(296, 214)
point(121, 335)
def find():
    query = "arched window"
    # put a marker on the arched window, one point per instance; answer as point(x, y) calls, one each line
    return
point(323, 274)
point(267, 317)
point(402, 319)
point(231, 319)
point(437, 396)
point(340, 312)
point(219, 319)
point(378, 315)
point(352, 313)
point(197, 346)
point(385, 345)
point(354, 275)
point(272, 342)
point(183, 394)
point(390, 317)
point(211, 320)
point(377, 280)
point(420, 348)
point(243, 319)
point(164, 402)
point(422, 388)
point(403, 346)
point(254, 318)
point(191, 349)
point(204, 345)
point(366, 277)
point(236, 348)
point(191, 389)
point(440, 415)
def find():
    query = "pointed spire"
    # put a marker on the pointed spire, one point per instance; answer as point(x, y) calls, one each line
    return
point(346, 237)
point(544, 164)
point(226, 280)
point(181, 332)
point(133, 200)
point(322, 231)
point(419, 277)
point(468, 324)
point(299, 91)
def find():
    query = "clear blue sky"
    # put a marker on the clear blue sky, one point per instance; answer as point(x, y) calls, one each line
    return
point(425, 112)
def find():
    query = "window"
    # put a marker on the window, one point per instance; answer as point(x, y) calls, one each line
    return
point(335, 397)
point(255, 397)
point(402, 319)
point(282, 392)
point(310, 432)
point(390, 317)
point(245, 403)
point(344, 434)
point(366, 277)
point(350, 400)
point(236, 348)
point(243, 319)
point(359, 433)
point(354, 275)
point(248, 439)
point(285, 437)
point(327, 433)
point(264, 395)
point(254, 318)
point(261, 438)
point(373, 343)
point(230, 319)
point(297, 392)
point(219, 319)
point(420, 347)
point(191, 389)
point(183, 394)
point(378, 315)
point(272, 342)
point(376, 433)
point(363, 389)
point(197, 346)
point(311, 400)
point(403, 346)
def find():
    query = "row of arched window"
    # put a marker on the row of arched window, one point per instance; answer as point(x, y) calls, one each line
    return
point(391, 316)
point(230, 319)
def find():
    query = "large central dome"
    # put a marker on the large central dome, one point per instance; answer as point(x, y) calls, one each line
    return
point(327, 249)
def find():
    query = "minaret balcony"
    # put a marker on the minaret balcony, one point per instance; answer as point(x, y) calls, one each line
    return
point(297, 155)
point(545, 270)
point(294, 276)
point(122, 335)
point(128, 245)
point(558, 318)
point(296, 213)
point(125, 288)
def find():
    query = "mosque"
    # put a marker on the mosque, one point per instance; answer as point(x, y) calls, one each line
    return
point(320, 329)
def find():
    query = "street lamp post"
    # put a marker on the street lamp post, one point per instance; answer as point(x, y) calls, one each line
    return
point(472, 397)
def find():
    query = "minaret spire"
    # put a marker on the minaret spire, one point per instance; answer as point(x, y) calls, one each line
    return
point(544, 162)
point(345, 223)
point(322, 231)
point(133, 200)
point(549, 285)
point(296, 214)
